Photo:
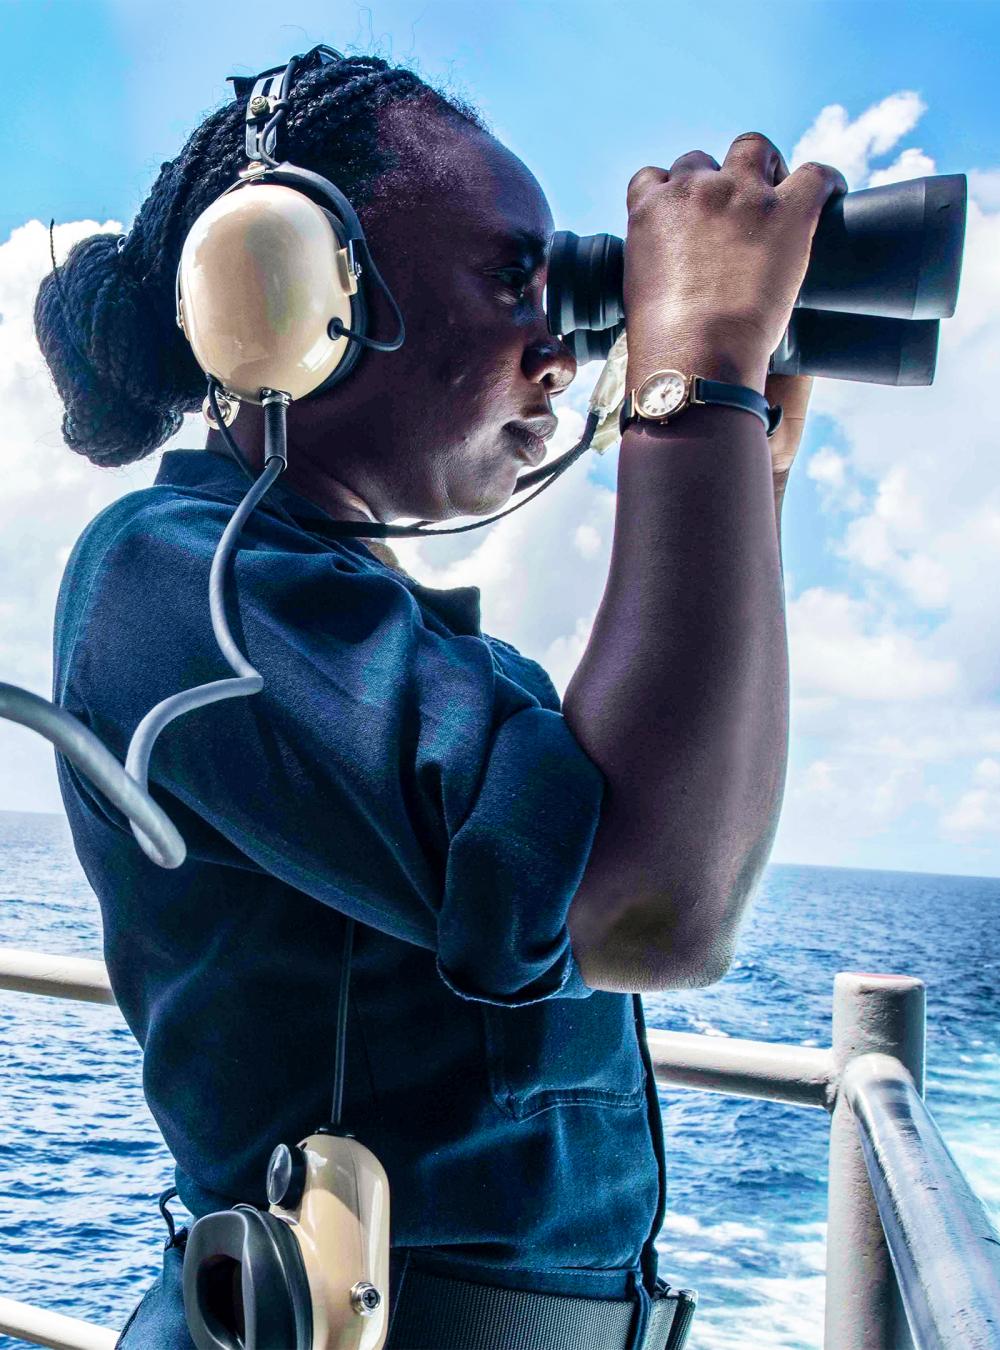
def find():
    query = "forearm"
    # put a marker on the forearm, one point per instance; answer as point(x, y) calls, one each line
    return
point(681, 700)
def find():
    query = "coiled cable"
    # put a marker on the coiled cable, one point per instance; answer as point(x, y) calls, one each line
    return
point(96, 762)
point(246, 679)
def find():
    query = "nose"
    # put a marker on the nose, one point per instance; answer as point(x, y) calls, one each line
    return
point(549, 362)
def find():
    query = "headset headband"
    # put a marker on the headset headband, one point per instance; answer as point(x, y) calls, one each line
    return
point(268, 96)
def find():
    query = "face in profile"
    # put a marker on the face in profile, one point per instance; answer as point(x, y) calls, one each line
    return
point(444, 426)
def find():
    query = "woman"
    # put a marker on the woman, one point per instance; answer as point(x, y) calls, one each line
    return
point(521, 870)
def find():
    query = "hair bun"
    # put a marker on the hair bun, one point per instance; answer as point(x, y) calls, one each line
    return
point(105, 351)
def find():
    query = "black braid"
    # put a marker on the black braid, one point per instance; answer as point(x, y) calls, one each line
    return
point(207, 165)
point(105, 319)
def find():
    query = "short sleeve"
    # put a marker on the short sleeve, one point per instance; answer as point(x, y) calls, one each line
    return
point(523, 847)
point(389, 768)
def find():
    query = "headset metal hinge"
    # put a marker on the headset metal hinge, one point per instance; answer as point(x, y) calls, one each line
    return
point(349, 269)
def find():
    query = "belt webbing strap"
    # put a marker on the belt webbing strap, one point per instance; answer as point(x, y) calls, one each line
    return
point(436, 1312)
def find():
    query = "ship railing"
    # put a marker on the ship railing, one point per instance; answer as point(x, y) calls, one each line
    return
point(912, 1258)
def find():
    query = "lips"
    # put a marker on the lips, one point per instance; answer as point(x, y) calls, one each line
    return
point(530, 437)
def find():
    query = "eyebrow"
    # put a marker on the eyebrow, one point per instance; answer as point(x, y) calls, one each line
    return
point(534, 247)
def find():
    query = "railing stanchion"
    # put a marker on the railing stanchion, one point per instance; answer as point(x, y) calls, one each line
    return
point(863, 1308)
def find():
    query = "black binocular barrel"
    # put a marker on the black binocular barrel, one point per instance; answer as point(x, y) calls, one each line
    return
point(901, 352)
point(893, 251)
point(889, 253)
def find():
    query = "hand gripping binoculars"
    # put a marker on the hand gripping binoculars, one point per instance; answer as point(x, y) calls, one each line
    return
point(883, 271)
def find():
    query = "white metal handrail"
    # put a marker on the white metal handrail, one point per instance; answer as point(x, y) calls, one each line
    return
point(944, 1248)
point(38, 1326)
point(873, 1015)
point(75, 977)
point(800, 1075)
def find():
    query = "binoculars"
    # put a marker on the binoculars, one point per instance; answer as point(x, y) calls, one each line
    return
point(883, 271)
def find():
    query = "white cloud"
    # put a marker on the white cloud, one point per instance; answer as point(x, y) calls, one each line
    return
point(869, 781)
point(861, 797)
point(49, 494)
point(929, 535)
point(564, 653)
point(850, 145)
point(831, 471)
point(587, 541)
point(886, 540)
point(984, 186)
point(911, 163)
point(937, 733)
point(840, 647)
point(896, 683)
point(977, 811)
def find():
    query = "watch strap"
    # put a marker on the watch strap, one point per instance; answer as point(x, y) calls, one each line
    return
point(737, 396)
point(712, 392)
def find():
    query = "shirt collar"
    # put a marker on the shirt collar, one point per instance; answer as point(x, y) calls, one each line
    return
point(211, 471)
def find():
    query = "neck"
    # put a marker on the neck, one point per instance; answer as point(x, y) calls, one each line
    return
point(304, 475)
point(337, 498)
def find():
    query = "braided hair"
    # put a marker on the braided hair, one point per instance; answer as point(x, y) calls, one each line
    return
point(105, 319)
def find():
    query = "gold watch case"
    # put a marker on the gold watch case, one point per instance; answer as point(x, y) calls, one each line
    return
point(662, 395)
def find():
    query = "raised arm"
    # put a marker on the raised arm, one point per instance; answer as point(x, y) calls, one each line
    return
point(681, 696)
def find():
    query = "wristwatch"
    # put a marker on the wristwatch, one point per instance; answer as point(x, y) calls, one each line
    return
point(665, 394)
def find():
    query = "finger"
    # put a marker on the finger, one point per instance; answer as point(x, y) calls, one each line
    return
point(780, 170)
point(753, 153)
point(694, 159)
point(642, 181)
point(792, 392)
point(812, 185)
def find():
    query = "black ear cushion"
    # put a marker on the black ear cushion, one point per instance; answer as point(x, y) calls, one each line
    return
point(359, 314)
point(245, 1284)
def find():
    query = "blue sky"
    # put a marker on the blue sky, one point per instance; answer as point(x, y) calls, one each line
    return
point(583, 91)
point(100, 93)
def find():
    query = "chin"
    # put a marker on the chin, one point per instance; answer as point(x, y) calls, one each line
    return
point(478, 479)
point(488, 505)
point(481, 499)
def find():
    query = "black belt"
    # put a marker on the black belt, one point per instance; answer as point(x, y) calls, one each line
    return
point(439, 1312)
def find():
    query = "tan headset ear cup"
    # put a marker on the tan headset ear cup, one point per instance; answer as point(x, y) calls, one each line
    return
point(261, 275)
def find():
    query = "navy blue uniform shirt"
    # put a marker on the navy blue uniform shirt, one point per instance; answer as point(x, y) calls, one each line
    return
point(399, 767)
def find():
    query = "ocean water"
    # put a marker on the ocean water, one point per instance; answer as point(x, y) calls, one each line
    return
point(81, 1161)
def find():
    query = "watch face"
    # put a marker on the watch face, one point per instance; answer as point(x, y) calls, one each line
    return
point(661, 394)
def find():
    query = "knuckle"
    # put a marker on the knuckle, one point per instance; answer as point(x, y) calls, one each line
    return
point(814, 169)
point(641, 184)
point(758, 205)
point(755, 138)
point(715, 189)
point(813, 183)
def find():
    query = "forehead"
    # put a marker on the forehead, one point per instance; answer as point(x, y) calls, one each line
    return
point(493, 189)
point(470, 187)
